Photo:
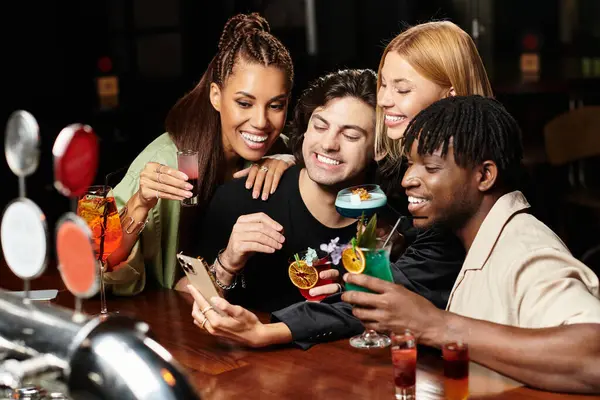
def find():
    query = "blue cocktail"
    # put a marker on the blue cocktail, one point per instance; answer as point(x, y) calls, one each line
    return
point(364, 200)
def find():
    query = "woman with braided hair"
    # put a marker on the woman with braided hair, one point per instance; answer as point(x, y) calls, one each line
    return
point(233, 117)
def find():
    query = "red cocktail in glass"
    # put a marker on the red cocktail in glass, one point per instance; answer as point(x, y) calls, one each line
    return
point(303, 276)
point(404, 359)
point(456, 370)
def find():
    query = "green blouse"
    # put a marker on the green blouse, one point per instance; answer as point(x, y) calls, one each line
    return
point(155, 250)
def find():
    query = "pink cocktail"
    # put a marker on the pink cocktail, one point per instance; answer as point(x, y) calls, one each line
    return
point(187, 162)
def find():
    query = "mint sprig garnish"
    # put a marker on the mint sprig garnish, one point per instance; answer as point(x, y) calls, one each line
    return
point(367, 238)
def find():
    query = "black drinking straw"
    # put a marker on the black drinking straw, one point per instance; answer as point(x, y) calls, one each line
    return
point(105, 215)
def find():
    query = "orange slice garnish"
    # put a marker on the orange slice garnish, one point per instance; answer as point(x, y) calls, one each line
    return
point(303, 276)
point(353, 260)
point(363, 194)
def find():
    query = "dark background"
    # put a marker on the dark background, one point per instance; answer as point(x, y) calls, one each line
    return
point(160, 48)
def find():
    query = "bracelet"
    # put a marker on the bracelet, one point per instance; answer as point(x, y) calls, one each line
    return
point(128, 229)
point(213, 273)
point(141, 225)
point(230, 272)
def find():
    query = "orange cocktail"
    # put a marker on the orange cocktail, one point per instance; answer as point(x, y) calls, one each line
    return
point(101, 215)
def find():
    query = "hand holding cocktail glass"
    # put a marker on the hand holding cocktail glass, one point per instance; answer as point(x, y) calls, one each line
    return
point(389, 307)
point(312, 272)
point(364, 202)
point(158, 181)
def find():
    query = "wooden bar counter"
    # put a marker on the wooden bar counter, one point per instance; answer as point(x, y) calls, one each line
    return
point(222, 370)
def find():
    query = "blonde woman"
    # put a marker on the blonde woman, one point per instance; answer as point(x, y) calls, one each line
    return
point(423, 64)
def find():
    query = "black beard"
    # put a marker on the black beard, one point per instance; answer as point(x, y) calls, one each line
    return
point(456, 216)
point(454, 221)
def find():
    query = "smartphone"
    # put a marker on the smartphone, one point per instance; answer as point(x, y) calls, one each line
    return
point(198, 276)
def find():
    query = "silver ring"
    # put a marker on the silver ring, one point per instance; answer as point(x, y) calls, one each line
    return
point(203, 322)
point(206, 309)
point(157, 194)
point(340, 288)
point(264, 168)
point(158, 174)
point(159, 168)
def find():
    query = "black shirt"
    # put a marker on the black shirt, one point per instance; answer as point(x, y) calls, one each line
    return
point(429, 265)
point(268, 286)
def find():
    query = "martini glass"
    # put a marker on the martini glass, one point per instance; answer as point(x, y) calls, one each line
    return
point(364, 200)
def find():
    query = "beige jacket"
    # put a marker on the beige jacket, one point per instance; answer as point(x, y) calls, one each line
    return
point(518, 272)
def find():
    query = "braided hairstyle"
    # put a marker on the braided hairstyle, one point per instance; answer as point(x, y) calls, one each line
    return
point(193, 123)
point(479, 129)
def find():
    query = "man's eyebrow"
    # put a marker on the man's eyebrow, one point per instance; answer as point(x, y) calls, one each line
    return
point(343, 127)
point(354, 127)
point(317, 116)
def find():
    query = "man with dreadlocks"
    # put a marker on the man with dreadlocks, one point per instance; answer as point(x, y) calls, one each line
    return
point(525, 306)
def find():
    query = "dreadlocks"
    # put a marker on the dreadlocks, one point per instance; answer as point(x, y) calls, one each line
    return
point(478, 128)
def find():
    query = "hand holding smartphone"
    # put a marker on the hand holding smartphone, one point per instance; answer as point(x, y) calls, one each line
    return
point(199, 277)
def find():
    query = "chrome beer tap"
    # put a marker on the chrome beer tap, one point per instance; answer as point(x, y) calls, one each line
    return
point(51, 352)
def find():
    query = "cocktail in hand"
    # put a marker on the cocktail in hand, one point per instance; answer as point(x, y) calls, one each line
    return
point(368, 254)
point(304, 270)
point(187, 162)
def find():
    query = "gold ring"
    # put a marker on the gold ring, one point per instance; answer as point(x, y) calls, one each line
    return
point(264, 168)
point(203, 322)
point(207, 309)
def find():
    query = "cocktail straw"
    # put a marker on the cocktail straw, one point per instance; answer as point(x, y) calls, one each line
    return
point(412, 217)
point(393, 230)
point(105, 215)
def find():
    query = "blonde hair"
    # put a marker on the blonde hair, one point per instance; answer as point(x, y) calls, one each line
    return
point(441, 52)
